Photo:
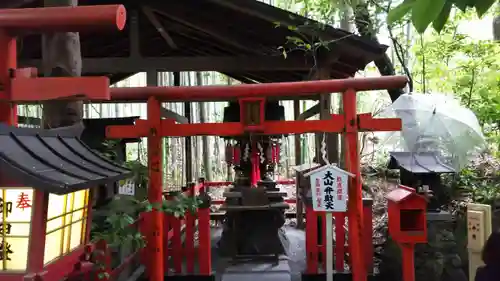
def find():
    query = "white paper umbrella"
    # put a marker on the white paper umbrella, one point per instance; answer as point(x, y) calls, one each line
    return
point(437, 123)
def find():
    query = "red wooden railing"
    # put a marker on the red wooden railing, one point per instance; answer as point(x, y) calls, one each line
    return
point(179, 251)
point(316, 246)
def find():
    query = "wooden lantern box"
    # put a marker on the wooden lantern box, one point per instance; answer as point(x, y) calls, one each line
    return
point(45, 201)
point(407, 215)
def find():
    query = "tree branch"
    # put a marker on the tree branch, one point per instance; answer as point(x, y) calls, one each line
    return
point(364, 25)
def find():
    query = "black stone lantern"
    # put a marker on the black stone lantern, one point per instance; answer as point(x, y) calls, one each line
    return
point(422, 171)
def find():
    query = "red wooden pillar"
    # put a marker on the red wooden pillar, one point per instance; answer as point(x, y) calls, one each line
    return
point(368, 233)
point(189, 240)
point(204, 237)
point(355, 203)
point(204, 248)
point(176, 241)
point(8, 62)
point(311, 240)
point(154, 235)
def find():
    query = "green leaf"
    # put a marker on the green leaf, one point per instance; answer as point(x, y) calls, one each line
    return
point(442, 18)
point(424, 12)
point(399, 11)
point(482, 6)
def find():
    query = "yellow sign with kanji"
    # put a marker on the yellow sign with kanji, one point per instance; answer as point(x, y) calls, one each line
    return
point(66, 221)
point(15, 224)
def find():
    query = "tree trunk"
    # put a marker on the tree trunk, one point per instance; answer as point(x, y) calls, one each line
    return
point(346, 23)
point(496, 28)
point(364, 25)
point(61, 58)
point(204, 139)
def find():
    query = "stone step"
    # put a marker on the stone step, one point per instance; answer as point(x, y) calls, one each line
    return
point(262, 271)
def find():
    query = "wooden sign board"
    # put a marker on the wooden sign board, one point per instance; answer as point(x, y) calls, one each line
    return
point(329, 185)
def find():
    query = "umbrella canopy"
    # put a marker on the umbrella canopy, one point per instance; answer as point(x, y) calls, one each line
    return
point(435, 123)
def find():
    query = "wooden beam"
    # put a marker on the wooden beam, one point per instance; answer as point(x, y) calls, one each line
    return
point(179, 64)
point(134, 35)
point(169, 114)
point(219, 33)
point(313, 110)
point(159, 27)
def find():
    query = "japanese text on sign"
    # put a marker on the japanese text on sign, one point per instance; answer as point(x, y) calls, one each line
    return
point(329, 192)
point(15, 221)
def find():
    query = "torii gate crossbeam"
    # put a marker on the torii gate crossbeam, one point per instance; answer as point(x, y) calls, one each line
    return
point(349, 124)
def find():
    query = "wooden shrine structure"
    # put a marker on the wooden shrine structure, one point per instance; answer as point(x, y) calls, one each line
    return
point(174, 36)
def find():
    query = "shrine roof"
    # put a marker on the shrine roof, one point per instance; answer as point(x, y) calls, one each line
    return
point(398, 195)
point(211, 28)
point(401, 194)
point(55, 161)
point(419, 163)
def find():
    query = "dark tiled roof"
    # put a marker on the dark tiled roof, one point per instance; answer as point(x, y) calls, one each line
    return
point(55, 161)
point(222, 28)
point(419, 163)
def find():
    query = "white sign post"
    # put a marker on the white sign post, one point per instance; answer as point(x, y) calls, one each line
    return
point(329, 186)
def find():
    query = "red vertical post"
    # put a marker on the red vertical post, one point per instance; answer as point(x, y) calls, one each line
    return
point(204, 248)
point(255, 160)
point(311, 240)
point(339, 241)
point(167, 224)
point(408, 262)
point(368, 234)
point(103, 260)
point(176, 224)
point(38, 225)
point(8, 111)
point(355, 203)
point(155, 192)
point(189, 241)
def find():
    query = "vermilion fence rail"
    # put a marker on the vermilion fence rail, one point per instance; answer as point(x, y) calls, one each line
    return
point(316, 244)
point(191, 251)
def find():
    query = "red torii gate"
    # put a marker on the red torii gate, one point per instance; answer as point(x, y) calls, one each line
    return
point(349, 123)
point(24, 86)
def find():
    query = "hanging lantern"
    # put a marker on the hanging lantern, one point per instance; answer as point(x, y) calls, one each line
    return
point(252, 113)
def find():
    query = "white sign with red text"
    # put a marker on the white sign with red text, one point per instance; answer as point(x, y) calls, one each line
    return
point(329, 186)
